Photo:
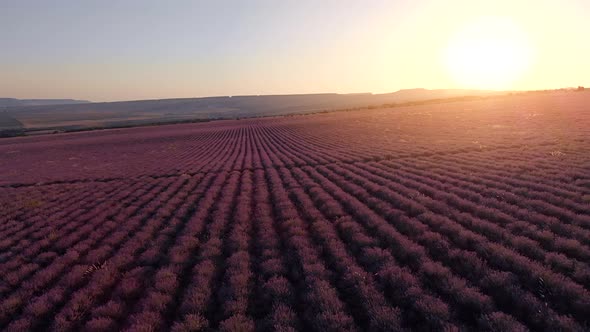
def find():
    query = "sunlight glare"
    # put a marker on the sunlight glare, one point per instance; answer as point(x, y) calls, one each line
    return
point(489, 53)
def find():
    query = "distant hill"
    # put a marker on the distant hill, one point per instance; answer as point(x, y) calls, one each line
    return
point(13, 102)
point(67, 114)
point(425, 94)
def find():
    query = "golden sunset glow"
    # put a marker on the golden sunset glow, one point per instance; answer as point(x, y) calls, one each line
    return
point(488, 53)
point(201, 48)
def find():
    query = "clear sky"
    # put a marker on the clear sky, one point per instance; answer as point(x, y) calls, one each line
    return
point(146, 49)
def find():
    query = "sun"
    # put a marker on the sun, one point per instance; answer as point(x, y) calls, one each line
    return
point(488, 53)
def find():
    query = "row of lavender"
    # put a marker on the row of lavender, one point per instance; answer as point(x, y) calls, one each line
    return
point(377, 245)
point(492, 125)
point(344, 221)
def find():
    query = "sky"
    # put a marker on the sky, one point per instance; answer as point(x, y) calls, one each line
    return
point(130, 50)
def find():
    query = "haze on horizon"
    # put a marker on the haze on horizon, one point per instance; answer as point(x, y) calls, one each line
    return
point(132, 50)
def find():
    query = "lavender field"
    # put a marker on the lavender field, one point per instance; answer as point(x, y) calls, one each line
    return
point(455, 216)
